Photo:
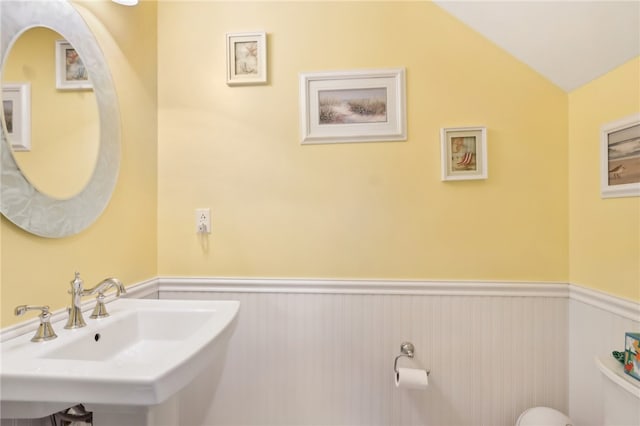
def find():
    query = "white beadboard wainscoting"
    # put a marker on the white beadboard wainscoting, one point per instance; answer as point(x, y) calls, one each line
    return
point(320, 352)
point(310, 352)
point(597, 324)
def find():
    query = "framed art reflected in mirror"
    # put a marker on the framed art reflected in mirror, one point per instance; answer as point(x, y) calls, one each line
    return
point(16, 106)
point(71, 73)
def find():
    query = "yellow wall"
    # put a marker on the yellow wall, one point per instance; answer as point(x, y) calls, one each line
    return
point(372, 210)
point(64, 123)
point(122, 243)
point(604, 233)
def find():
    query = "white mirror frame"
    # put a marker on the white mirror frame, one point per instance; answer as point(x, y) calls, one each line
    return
point(20, 201)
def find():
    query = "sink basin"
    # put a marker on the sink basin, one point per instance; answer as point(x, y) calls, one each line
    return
point(142, 354)
point(133, 337)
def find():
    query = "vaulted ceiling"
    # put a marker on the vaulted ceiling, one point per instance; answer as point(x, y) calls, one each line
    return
point(568, 42)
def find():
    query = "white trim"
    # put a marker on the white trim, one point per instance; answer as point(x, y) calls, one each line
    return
point(610, 303)
point(143, 289)
point(338, 286)
point(614, 304)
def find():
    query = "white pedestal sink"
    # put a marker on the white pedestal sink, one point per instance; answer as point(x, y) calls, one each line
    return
point(145, 364)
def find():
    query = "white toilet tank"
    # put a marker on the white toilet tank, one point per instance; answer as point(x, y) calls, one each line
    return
point(543, 416)
point(621, 394)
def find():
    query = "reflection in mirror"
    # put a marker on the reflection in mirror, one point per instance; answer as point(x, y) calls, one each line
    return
point(21, 202)
point(64, 123)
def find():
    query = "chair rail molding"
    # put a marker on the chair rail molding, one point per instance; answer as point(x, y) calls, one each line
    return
point(146, 288)
point(364, 286)
point(613, 304)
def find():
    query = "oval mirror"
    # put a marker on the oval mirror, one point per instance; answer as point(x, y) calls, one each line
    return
point(59, 126)
point(22, 201)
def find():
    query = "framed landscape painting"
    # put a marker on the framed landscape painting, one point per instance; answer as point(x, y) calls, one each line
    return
point(353, 106)
point(620, 158)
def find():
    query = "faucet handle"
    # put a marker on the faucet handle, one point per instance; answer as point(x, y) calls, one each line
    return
point(100, 310)
point(44, 331)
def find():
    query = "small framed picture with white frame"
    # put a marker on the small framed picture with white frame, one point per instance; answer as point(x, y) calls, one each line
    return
point(16, 106)
point(464, 153)
point(246, 58)
point(71, 73)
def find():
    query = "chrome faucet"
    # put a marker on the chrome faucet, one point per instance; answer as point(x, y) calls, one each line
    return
point(77, 291)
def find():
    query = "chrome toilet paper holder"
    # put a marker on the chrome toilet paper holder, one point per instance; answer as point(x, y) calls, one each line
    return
point(406, 349)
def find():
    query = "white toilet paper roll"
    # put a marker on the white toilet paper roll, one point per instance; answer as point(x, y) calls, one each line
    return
point(412, 378)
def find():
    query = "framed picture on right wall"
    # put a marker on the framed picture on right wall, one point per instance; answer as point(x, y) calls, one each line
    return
point(464, 153)
point(620, 158)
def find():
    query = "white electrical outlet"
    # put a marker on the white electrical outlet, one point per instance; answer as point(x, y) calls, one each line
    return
point(203, 221)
